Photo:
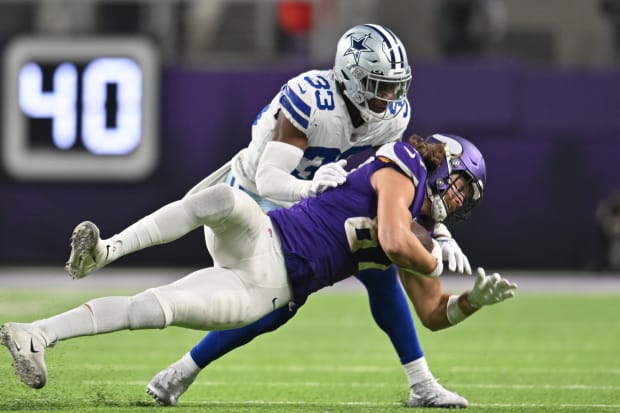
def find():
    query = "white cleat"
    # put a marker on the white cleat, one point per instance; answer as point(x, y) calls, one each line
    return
point(430, 393)
point(168, 385)
point(88, 251)
point(27, 346)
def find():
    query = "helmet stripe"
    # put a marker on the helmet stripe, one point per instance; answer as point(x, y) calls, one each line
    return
point(401, 51)
point(386, 35)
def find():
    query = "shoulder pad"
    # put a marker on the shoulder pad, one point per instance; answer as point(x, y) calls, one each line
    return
point(405, 157)
point(297, 99)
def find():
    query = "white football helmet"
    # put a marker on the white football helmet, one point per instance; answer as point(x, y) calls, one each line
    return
point(371, 63)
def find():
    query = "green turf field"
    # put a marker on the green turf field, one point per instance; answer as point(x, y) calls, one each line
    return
point(535, 353)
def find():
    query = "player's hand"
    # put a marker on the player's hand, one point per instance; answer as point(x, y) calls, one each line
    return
point(490, 289)
point(328, 176)
point(451, 252)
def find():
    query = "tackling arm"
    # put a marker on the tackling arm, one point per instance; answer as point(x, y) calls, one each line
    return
point(281, 156)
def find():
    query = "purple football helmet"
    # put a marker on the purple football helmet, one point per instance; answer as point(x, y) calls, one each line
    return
point(464, 158)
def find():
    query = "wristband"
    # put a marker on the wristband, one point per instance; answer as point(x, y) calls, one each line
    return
point(453, 310)
point(437, 271)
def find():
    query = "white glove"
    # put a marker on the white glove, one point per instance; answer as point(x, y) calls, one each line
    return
point(490, 289)
point(329, 175)
point(450, 250)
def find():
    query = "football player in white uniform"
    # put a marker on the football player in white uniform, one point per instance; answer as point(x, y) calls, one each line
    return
point(300, 143)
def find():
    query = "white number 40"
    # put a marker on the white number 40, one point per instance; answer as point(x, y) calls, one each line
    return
point(60, 104)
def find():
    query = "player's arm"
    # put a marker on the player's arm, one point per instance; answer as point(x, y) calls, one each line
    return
point(400, 245)
point(281, 156)
point(438, 310)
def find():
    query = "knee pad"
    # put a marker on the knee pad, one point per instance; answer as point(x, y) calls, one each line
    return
point(145, 311)
point(212, 204)
point(229, 308)
point(226, 309)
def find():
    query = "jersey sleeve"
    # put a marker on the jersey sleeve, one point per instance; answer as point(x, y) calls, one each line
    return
point(296, 103)
point(406, 158)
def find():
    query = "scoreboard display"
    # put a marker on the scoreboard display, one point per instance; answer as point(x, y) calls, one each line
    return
point(80, 108)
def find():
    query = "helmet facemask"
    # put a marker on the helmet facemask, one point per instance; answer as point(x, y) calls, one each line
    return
point(454, 184)
point(391, 91)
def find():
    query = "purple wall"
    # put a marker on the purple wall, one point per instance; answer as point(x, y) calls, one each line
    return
point(550, 140)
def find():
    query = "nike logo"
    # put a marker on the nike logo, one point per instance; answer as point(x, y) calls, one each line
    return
point(17, 346)
point(301, 89)
point(107, 252)
point(32, 349)
point(273, 302)
point(412, 155)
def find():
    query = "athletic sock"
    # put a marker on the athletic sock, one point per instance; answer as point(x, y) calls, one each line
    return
point(417, 371)
point(188, 366)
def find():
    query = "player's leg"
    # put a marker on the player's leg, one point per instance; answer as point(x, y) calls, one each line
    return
point(390, 310)
point(167, 386)
point(27, 342)
point(210, 298)
point(208, 207)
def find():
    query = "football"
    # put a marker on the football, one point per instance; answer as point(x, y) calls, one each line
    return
point(423, 235)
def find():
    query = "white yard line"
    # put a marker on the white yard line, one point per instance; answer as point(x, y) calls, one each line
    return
point(332, 384)
point(115, 278)
point(243, 403)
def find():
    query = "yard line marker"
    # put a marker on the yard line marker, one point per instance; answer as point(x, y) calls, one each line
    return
point(203, 383)
point(355, 369)
point(208, 403)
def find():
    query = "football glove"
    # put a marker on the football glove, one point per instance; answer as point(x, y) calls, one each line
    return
point(329, 175)
point(490, 289)
point(450, 250)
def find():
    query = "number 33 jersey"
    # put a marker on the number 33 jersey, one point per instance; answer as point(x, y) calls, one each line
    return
point(312, 102)
point(334, 235)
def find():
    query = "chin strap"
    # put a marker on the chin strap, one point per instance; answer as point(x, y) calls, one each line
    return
point(439, 209)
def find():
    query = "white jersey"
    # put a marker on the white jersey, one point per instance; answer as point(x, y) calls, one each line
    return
point(312, 102)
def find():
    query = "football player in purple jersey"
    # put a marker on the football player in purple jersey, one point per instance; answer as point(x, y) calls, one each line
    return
point(276, 260)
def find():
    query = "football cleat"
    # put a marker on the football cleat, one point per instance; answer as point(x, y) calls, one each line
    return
point(430, 393)
point(168, 385)
point(88, 251)
point(27, 346)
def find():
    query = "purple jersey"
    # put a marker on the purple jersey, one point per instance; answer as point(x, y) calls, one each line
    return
point(334, 235)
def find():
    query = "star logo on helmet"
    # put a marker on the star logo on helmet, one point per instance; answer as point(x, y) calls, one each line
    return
point(357, 47)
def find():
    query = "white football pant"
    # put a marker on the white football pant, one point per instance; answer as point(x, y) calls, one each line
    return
point(249, 282)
